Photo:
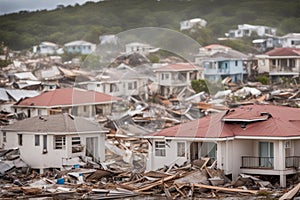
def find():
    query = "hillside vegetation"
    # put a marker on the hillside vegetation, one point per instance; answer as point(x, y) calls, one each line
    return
point(25, 29)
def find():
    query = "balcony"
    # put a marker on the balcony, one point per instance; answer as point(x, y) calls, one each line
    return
point(292, 162)
point(253, 162)
point(257, 162)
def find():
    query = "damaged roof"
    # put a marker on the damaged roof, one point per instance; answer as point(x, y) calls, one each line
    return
point(246, 121)
point(61, 123)
point(67, 97)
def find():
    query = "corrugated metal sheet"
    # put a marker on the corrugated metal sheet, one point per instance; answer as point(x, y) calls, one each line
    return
point(19, 94)
point(26, 76)
point(3, 95)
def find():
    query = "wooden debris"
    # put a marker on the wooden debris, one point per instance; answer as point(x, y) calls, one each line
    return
point(290, 194)
point(225, 189)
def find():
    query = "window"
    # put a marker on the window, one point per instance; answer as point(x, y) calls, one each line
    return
point(59, 142)
point(20, 139)
point(130, 86)
point(76, 145)
point(160, 148)
point(236, 63)
point(266, 154)
point(39, 112)
point(180, 149)
point(4, 136)
point(167, 76)
point(162, 77)
point(44, 143)
point(134, 85)
point(37, 140)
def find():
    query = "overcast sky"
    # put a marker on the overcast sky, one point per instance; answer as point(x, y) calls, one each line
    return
point(9, 6)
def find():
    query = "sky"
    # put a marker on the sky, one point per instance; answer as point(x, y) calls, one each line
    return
point(10, 6)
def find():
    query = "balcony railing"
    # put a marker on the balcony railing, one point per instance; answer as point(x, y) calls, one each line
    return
point(257, 162)
point(292, 161)
point(268, 162)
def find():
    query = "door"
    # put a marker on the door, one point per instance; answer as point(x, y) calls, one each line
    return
point(266, 154)
point(194, 151)
point(92, 148)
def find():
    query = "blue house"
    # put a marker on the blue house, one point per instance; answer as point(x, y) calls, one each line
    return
point(220, 62)
point(80, 46)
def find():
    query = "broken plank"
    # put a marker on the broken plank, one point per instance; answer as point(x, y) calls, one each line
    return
point(225, 189)
point(176, 187)
point(152, 185)
point(290, 194)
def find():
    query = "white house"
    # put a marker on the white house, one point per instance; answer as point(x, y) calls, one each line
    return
point(254, 139)
point(75, 101)
point(55, 141)
point(80, 46)
point(120, 81)
point(290, 40)
point(191, 23)
point(141, 48)
point(46, 48)
point(172, 78)
point(246, 30)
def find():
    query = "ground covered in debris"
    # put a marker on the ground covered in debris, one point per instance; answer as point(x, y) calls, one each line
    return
point(199, 179)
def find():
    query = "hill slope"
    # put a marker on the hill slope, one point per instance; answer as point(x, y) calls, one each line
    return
point(24, 29)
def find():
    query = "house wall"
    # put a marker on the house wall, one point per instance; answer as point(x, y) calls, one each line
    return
point(38, 158)
point(239, 148)
point(155, 162)
point(263, 65)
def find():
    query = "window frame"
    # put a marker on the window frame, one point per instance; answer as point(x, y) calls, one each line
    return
point(59, 142)
point(180, 149)
point(160, 148)
point(37, 140)
point(76, 144)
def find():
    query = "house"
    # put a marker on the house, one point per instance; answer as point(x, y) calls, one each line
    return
point(141, 48)
point(290, 40)
point(120, 81)
point(220, 61)
point(74, 101)
point(80, 46)
point(192, 23)
point(55, 141)
point(280, 62)
point(46, 48)
point(173, 78)
point(253, 139)
point(246, 30)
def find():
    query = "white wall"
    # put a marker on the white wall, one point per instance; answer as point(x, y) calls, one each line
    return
point(155, 162)
point(54, 158)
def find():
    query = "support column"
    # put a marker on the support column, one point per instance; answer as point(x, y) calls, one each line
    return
point(281, 163)
point(282, 179)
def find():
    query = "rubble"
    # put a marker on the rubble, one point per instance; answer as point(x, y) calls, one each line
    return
point(94, 182)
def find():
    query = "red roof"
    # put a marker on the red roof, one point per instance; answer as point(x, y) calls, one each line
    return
point(279, 122)
point(178, 67)
point(67, 96)
point(284, 52)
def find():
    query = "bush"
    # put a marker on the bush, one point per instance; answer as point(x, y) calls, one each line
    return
point(263, 79)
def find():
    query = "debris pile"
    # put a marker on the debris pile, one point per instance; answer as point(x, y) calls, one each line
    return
point(105, 181)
